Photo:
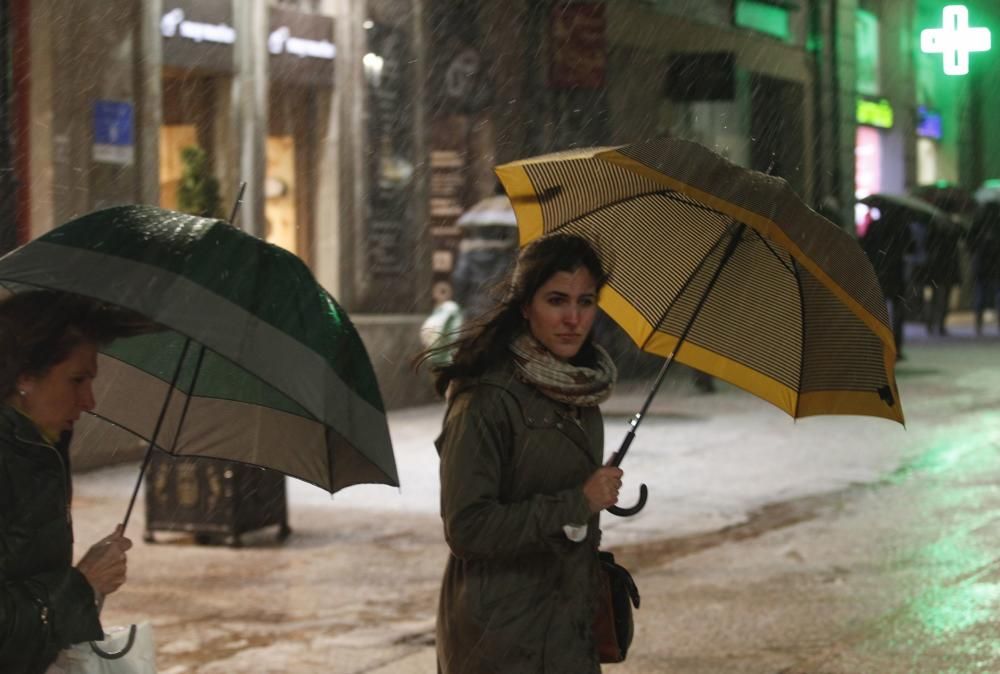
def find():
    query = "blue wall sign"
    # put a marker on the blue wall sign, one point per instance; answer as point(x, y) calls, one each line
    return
point(114, 132)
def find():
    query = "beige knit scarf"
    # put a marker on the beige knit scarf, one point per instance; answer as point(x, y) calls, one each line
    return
point(562, 381)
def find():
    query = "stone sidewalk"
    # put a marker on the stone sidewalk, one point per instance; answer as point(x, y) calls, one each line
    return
point(862, 580)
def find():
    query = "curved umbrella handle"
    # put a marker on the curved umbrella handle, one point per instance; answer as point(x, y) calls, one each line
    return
point(616, 460)
point(634, 510)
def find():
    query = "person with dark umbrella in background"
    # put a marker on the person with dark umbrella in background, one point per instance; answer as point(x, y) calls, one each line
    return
point(522, 484)
point(942, 271)
point(984, 247)
point(887, 242)
point(48, 362)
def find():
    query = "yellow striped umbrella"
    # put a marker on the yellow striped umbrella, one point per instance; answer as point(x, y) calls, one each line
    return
point(723, 269)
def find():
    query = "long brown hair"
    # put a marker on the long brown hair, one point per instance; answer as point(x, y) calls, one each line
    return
point(484, 342)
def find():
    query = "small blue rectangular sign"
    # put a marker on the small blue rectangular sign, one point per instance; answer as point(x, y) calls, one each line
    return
point(113, 123)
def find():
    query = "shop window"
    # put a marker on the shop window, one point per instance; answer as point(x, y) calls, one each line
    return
point(927, 161)
point(867, 50)
point(763, 17)
point(279, 193)
point(173, 139)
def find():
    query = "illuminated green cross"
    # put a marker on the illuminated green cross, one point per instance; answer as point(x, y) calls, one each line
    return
point(954, 40)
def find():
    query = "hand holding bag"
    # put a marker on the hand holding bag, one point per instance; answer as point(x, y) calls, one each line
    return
point(124, 650)
point(613, 626)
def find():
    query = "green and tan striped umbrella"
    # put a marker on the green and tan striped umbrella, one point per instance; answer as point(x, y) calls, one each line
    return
point(794, 314)
point(257, 363)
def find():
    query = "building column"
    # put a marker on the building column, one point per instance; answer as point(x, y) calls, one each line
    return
point(251, 23)
point(8, 179)
point(844, 91)
point(350, 82)
point(149, 100)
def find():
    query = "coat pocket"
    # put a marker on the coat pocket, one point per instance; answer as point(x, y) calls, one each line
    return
point(508, 592)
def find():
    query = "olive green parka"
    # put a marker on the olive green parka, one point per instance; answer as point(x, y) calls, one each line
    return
point(45, 603)
point(518, 595)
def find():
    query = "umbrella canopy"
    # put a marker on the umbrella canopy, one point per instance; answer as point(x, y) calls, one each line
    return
point(906, 207)
point(722, 268)
point(988, 191)
point(488, 212)
point(256, 360)
point(948, 197)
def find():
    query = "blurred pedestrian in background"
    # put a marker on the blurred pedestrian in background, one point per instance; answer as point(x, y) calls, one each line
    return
point(521, 477)
point(485, 254)
point(887, 243)
point(48, 362)
point(942, 271)
point(984, 247)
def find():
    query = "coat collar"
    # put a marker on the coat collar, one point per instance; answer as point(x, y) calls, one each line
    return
point(541, 411)
point(16, 425)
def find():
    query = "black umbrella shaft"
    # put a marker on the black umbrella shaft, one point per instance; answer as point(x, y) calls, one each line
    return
point(236, 206)
point(187, 398)
point(156, 430)
point(735, 235)
point(734, 240)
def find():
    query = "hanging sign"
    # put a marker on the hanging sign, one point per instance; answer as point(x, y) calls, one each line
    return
point(198, 35)
point(579, 46)
point(113, 132)
point(877, 113)
point(928, 123)
point(300, 47)
point(955, 40)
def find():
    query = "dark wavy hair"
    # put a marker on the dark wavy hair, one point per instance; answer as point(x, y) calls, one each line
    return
point(40, 328)
point(484, 342)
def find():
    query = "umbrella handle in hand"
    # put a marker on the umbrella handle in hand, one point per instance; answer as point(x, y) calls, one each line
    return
point(634, 510)
point(616, 460)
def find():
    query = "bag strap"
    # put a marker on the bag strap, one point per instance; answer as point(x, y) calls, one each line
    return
point(620, 572)
point(120, 654)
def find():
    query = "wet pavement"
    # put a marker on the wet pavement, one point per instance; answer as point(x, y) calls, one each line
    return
point(890, 568)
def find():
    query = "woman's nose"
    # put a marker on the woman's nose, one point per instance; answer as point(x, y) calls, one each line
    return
point(572, 316)
point(87, 402)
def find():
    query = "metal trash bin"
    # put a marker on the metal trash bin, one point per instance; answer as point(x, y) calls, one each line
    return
point(213, 499)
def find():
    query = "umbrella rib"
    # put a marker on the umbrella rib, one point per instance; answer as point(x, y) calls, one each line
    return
point(156, 431)
point(187, 399)
point(687, 282)
point(802, 338)
point(668, 193)
point(777, 257)
point(207, 456)
point(308, 414)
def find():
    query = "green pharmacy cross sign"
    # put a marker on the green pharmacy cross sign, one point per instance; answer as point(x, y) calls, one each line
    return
point(954, 40)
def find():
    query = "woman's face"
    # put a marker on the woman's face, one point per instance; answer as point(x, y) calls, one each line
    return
point(55, 400)
point(562, 311)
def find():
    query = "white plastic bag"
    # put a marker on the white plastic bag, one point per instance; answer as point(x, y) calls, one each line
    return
point(440, 327)
point(125, 650)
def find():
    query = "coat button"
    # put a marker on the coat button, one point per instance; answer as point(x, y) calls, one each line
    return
point(559, 425)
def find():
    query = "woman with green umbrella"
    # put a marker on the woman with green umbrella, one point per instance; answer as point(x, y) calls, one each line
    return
point(521, 476)
point(49, 342)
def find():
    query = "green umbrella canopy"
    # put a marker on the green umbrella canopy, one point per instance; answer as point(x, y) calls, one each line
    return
point(269, 369)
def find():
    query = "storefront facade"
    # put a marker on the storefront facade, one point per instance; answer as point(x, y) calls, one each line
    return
point(312, 103)
point(737, 78)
